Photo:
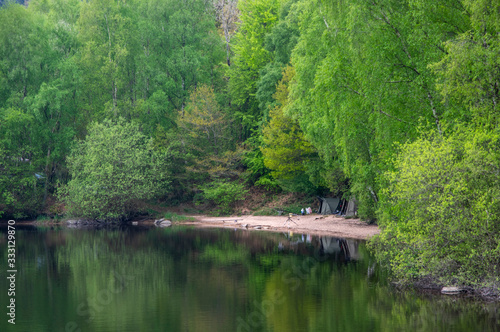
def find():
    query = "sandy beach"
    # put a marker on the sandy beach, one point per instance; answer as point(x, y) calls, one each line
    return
point(309, 224)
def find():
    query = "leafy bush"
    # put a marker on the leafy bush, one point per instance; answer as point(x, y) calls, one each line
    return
point(440, 213)
point(224, 193)
point(43, 219)
point(268, 183)
point(113, 167)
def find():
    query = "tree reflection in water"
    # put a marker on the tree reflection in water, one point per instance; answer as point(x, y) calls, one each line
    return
point(187, 279)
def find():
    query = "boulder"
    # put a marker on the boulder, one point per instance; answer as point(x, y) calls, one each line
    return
point(451, 290)
point(163, 223)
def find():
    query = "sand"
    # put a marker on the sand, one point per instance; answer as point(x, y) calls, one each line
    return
point(309, 224)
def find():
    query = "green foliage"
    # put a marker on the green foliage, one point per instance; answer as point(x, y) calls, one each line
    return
point(284, 146)
point(257, 19)
point(265, 211)
point(177, 217)
point(279, 42)
point(293, 208)
point(68, 63)
point(205, 123)
point(284, 152)
point(225, 254)
point(107, 32)
point(180, 48)
point(440, 211)
point(269, 183)
point(469, 73)
point(254, 160)
point(36, 107)
point(20, 191)
point(114, 166)
point(363, 82)
point(41, 219)
point(25, 52)
point(174, 148)
point(270, 75)
point(440, 207)
point(224, 193)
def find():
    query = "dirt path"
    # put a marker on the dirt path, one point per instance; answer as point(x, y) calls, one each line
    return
point(310, 224)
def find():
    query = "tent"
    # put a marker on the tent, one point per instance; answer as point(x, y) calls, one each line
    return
point(349, 208)
point(352, 208)
point(328, 205)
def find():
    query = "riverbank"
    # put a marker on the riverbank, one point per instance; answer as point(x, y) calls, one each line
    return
point(314, 224)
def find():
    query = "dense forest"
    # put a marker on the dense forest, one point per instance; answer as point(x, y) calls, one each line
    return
point(106, 103)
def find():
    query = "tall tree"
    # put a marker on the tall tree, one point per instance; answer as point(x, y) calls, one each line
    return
point(279, 42)
point(25, 53)
point(257, 19)
point(285, 150)
point(39, 98)
point(227, 15)
point(205, 122)
point(55, 105)
point(180, 49)
point(108, 37)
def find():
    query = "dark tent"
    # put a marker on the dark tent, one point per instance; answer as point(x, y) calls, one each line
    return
point(328, 205)
point(349, 208)
point(352, 208)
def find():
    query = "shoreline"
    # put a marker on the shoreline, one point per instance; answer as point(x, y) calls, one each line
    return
point(314, 224)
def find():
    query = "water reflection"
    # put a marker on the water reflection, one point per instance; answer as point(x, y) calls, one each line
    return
point(185, 279)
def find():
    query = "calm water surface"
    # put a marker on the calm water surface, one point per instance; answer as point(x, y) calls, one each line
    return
point(189, 279)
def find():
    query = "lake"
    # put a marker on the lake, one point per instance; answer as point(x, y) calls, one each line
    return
point(197, 279)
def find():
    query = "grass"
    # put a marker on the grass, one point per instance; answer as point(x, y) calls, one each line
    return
point(174, 217)
point(43, 219)
point(192, 210)
point(266, 211)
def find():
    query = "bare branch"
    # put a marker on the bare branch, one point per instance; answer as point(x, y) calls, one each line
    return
point(434, 113)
